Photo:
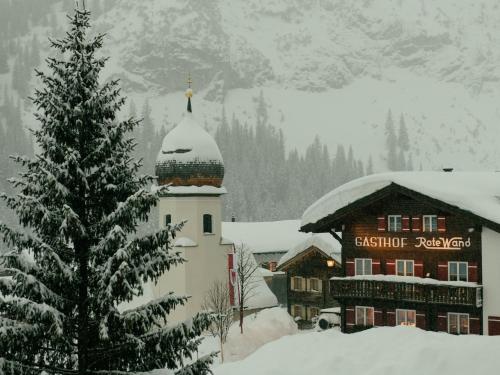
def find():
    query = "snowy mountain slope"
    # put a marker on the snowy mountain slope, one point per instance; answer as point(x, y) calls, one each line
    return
point(332, 68)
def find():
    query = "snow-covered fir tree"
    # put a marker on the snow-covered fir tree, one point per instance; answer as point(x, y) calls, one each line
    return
point(81, 201)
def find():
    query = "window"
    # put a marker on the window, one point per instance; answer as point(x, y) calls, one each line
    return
point(430, 223)
point(207, 223)
point(364, 316)
point(406, 318)
point(315, 285)
point(394, 223)
point(313, 311)
point(404, 268)
point(458, 324)
point(363, 266)
point(168, 219)
point(457, 271)
point(297, 283)
point(297, 311)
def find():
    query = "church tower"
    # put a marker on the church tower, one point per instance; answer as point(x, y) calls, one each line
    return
point(191, 163)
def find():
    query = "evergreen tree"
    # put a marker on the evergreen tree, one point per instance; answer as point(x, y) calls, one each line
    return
point(369, 167)
point(391, 143)
point(403, 138)
point(82, 200)
point(4, 66)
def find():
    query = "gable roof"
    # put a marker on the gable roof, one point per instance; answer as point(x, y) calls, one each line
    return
point(476, 194)
point(323, 242)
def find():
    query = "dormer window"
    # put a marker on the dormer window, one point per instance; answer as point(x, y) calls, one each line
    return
point(207, 223)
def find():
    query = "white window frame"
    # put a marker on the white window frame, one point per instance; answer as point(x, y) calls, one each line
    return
point(364, 260)
point(365, 310)
point(405, 267)
point(391, 218)
point(459, 315)
point(405, 322)
point(427, 219)
point(319, 286)
point(302, 284)
point(458, 270)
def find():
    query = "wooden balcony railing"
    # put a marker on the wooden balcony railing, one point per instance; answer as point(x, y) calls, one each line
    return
point(411, 292)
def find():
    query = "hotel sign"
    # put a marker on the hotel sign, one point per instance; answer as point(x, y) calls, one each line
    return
point(432, 243)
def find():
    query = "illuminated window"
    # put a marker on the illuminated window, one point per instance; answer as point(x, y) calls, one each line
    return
point(404, 268)
point(207, 223)
point(364, 316)
point(168, 219)
point(363, 266)
point(458, 324)
point(406, 318)
point(457, 271)
point(430, 223)
point(394, 223)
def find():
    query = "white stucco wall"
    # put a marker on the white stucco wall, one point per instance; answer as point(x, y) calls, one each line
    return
point(491, 275)
point(206, 262)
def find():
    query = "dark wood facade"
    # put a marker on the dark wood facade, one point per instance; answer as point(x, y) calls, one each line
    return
point(435, 302)
point(309, 264)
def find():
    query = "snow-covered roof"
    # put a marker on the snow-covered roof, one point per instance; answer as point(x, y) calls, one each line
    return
point(407, 279)
point(189, 142)
point(476, 192)
point(266, 236)
point(322, 241)
point(264, 272)
point(192, 190)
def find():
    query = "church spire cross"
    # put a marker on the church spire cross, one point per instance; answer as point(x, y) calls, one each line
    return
point(189, 93)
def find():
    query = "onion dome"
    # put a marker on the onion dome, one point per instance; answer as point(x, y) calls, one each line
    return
point(189, 155)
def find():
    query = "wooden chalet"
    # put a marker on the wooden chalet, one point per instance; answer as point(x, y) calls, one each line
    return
point(309, 267)
point(418, 248)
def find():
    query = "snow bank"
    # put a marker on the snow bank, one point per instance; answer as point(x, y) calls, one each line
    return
point(379, 351)
point(258, 329)
point(477, 192)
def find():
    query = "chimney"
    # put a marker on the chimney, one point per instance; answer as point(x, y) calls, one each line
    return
point(447, 169)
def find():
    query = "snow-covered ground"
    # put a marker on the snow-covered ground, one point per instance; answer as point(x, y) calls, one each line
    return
point(378, 351)
point(259, 329)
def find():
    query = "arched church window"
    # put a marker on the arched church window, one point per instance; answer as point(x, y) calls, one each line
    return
point(207, 223)
point(168, 219)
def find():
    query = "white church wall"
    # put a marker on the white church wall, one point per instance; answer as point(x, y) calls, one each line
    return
point(490, 275)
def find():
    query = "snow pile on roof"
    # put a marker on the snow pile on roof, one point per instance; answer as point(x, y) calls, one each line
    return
point(258, 329)
point(407, 279)
point(190, 190)
point(477, 192)
point(378, 351)
point(189, 142)
point(323, 241)
point(260, 296)
point(265, 237)
point(264, 272)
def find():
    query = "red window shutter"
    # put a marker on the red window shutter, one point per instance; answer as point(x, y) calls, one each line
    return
point(349, 317)
point(442, 322)
point(379, 318)
point(375, 266)
point(443, 270)
point(441, 224)
point(390, 267)
point(420, 319)
point(494, 325)
point(405, 223)
point(349, 267)
point(416, 223)
point(381, 223)
point(418, 268)
point(473, 272)
point(474, 325)
point(391, 317)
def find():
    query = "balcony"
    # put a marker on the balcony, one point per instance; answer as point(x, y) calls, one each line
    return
point(388, 290)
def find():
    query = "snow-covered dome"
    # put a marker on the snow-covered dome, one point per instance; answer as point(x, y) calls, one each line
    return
point(189, 156)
